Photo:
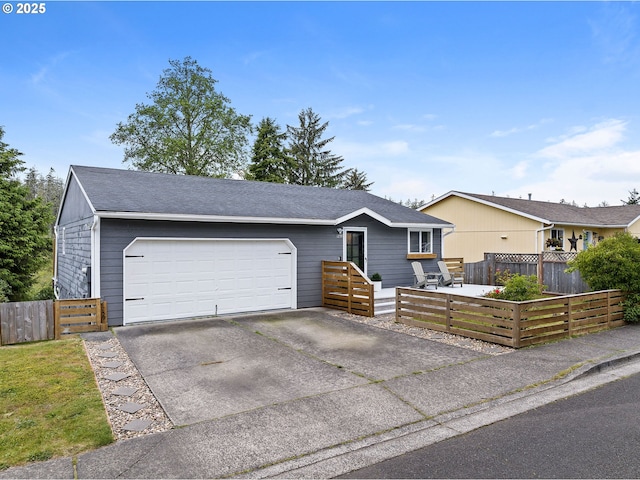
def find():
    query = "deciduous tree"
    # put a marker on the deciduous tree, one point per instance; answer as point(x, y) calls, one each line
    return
point(188, 128)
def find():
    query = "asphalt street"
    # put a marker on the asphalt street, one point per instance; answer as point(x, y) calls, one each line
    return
point(592, 435)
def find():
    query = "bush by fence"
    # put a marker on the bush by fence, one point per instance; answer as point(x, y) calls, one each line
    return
point(47, 319)
point(549, 267)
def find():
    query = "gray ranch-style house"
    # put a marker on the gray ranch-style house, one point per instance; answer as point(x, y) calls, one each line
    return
point(160, 246)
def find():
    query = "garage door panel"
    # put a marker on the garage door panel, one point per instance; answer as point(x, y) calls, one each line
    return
point(173, 278)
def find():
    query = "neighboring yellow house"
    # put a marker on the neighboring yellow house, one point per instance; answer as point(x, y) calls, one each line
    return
point(490, 224)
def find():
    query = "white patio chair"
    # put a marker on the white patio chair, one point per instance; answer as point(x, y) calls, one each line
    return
point(448, 278)
point(423, 280)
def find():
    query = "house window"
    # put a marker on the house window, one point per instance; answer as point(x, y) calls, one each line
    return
point(558, 234)
point(420, 241)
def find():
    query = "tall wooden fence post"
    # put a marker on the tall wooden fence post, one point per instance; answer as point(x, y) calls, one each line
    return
point(540, 269)
point(490, 258)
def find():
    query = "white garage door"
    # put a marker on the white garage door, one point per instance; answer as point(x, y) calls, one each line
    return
point(179, 278)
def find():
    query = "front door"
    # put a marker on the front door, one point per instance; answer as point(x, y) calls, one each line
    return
point(355, 247)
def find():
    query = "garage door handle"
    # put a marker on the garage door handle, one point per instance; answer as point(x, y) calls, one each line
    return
point(285, 288)
point(134, 256)
point(131, 299)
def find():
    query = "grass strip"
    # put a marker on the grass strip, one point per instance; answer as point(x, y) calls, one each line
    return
point(50, 404)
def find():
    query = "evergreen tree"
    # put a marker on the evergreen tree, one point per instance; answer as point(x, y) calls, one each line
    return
point(49, 188)
point(356, 180)
point(313, 163)
point(24, 228)
point(269, 163)
point(634, 198)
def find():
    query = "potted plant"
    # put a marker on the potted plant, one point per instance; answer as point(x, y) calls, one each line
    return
point(554, 243)
point(376, 279)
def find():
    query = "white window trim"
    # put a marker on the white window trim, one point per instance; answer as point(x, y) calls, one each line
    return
point(420, 231)
point(557, 230)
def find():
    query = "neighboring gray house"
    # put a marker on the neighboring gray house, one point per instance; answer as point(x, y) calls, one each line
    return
point(159, 246)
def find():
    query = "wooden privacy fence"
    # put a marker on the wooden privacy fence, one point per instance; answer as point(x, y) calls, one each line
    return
point(345, 287)
point(514, 324)
point(47, 319)
point(549, 267)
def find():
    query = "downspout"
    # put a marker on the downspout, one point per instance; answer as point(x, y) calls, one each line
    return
point(95, 258)
point(55, 263)
point(538, 235)
point(442, 235)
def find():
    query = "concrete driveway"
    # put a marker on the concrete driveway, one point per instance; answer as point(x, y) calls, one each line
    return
point(203, 370)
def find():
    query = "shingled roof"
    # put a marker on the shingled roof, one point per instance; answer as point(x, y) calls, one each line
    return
point(559, 213)
point(135, 194)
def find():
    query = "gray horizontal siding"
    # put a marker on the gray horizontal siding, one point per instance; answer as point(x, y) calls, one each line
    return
point(73, 253)
point(387, 251)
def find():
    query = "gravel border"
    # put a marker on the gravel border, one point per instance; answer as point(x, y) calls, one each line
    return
point(143, 395)
point(388, 322)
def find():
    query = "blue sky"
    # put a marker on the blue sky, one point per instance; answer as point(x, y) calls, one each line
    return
point(508, 98)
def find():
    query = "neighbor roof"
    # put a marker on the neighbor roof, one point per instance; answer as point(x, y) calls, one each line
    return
point(557, 213)
point(135, 194)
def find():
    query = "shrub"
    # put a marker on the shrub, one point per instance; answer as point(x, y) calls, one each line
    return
point(613, 264)
point(519, 288)
point(502, 276)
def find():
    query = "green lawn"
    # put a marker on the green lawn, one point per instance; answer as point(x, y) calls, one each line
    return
point(50, 404)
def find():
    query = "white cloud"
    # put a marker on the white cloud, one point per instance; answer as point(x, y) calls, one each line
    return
point(602, 136)
point(514, 130)
point(346, 112)
point(587, 166)
point(42, 74)
point(367, 152)
point(519, 170)
point(408, 127)
point(614, 33)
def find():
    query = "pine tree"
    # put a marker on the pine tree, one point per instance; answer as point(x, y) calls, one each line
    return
point(269, 163)
point(356, 180)
point(24, 228)
point(313, 163)
point(634, 198)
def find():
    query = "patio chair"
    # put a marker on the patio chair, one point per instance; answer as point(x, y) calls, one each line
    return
point(448, 278)
point(423, 280)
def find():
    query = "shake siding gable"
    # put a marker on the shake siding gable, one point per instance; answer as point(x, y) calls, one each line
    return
point(73, 245)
